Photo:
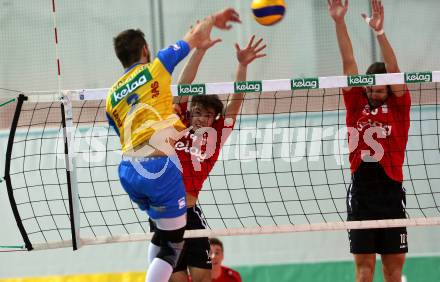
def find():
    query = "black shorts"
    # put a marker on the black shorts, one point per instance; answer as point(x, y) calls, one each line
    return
point(196, 251)
point(373, 196)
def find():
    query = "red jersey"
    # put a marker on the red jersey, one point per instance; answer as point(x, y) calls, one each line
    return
point(228, 275)
point(380, 133)
point(198, 153)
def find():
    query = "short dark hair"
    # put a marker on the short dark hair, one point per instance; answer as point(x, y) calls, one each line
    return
point(208, 101)
point(216, 241)
point(377, 68)
point(128, 46)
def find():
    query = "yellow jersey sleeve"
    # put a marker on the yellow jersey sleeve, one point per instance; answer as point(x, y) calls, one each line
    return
point(140, 103)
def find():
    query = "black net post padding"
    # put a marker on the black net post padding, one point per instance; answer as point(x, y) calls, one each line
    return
point(24, 234)
point(69, 182)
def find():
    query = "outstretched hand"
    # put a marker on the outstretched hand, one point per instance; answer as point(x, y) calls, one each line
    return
point(222, 18)
point(377, 15)
point(337, 9)
point(207, 42)
point(199, 36)
point(205, 45)
point(251, 52)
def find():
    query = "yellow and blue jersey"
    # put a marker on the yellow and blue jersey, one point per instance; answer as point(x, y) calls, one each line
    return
point(140, 102)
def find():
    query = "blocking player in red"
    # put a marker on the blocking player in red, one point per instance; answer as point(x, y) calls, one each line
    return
point(378, 121)
point(211, 124)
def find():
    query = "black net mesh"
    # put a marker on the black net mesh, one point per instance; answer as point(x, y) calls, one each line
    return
point(286, 162)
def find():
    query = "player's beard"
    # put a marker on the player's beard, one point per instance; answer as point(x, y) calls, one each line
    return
point(375, 103)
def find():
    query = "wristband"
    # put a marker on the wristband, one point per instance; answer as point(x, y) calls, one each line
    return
point(367, 20)
point(380, 32)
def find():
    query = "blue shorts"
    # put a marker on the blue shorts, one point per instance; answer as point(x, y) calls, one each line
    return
point(155, 184)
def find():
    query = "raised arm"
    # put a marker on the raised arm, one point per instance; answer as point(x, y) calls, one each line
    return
point(190, 69)
point(198, 36)
point(201, 33)
point(337, 11)
point(245, 57)
point(376, 23)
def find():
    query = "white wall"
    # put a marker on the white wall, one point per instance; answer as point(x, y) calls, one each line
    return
point(303, 44)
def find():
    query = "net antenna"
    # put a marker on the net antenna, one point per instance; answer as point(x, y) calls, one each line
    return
point(283, 169)
point(68, 133)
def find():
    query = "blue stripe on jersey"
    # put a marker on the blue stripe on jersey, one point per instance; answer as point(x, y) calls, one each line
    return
point(171, 56)
point(112, 123)
point(131, 67)
point(269, 11)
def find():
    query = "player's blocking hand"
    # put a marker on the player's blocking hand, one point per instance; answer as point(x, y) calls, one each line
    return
point(200, 35)
point(337, 9)
point(251, 52)
point(377, 15)
point(206, 44)
point(222, 18)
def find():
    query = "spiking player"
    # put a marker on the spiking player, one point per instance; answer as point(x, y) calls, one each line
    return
point(198, 154)
point(139, 107)
point(376, 163)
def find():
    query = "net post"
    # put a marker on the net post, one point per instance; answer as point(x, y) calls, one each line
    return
point(72, 184)
point(20, 100)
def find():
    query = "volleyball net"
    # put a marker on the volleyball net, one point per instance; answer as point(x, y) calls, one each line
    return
point(284, 168)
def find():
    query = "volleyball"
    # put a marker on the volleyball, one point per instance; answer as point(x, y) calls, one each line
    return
point(268, 12)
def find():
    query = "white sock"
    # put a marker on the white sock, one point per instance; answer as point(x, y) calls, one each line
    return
point(159, 271)
point(153, 250)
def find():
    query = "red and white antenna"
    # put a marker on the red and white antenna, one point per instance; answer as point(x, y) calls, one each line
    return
point(56, 46)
